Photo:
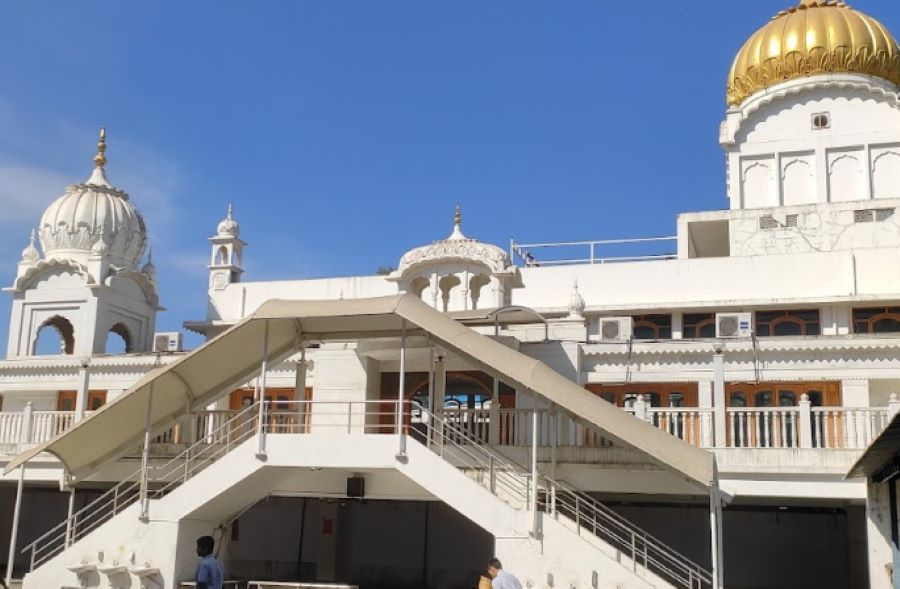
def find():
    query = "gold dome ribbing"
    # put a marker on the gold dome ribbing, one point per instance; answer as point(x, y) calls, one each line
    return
point(815, 37)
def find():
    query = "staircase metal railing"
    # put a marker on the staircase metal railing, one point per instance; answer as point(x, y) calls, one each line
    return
point(561, 500)
point(503, 477)
point(160, 480)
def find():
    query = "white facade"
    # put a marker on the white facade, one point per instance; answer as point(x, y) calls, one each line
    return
point(805, 253)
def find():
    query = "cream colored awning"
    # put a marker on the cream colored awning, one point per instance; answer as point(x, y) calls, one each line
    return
point(233, 357)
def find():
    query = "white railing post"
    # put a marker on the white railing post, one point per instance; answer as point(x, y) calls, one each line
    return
point(720, 438)
point(640, 408)
point(261, 395)
point(806, 427)
point(893, 405)
point(26, 435)
point(401, 393)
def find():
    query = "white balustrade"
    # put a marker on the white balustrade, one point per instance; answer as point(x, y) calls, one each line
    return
point(691, 424)
point(848, 427)
point(763, 427)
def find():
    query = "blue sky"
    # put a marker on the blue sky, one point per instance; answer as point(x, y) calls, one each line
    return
point(345, 131)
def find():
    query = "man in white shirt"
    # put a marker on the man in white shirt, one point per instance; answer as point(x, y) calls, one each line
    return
point(500, 579)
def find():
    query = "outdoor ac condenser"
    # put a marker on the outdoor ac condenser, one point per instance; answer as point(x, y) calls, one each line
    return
point(734, 325)
point(615, 329)
point(167, 341)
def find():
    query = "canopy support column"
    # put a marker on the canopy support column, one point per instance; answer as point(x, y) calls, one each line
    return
point(535, 482)
point(261, 392)
point(715, 529)
point(429, 428)
point(145, 458)
point(401, 394)
point(300, 392)
point(70, 529)
point(494, 413)
point(14, 533)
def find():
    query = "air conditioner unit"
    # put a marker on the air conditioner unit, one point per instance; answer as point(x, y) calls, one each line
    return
point(734, 325)
point(168, 341)
point(615, 329)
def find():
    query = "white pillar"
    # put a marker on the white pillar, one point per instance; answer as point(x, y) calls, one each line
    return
point(878, 535)
point(261, 392)
point(81, 397)
point(715, 529)
point(401, 394)
point(26, 435)
point(535, 483)
point(806, 436)
point(440, 386)
point(303, 410)
point(719, 403)
point(14, 532)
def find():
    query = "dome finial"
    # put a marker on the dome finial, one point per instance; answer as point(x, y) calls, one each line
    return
point(100, 158)
point(457, 225)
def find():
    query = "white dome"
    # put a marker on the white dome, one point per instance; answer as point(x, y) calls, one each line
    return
point(228, 227)
point(94, 217)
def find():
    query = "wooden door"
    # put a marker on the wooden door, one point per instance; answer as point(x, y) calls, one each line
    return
point(65, 400)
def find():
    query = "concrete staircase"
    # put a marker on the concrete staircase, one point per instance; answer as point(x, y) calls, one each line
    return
point(128, 550)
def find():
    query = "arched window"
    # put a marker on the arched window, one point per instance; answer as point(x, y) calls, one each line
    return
point(418, 286)
point(222, 256)
point(118, 340)
point(447, 284)
point(55, 336)
point(699, 325)
point(803, 322)
point(476, 285)
point(876, 320)
point(653, 327)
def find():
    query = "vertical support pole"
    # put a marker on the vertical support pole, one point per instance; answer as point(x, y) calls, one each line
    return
point(14, 533)
point(715, 528)
point(81, 396)
point(401, 393)
point(69, 523)
point(893, 405)
point(535, 531)
point(494, 419)
point(429, 421)
point(145, 457)
point(261, 394)
point(720, 438)
point(303, 408)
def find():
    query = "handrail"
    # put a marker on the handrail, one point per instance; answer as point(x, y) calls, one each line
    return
point(558, 498)
point(127, 492)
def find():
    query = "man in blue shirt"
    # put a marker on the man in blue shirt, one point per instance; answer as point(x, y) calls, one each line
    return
point(500, 579)
point(210, 574)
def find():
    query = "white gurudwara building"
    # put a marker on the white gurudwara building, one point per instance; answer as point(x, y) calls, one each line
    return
point(545, 403)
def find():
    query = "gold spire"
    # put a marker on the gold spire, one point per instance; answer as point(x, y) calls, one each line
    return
point(100, 158)
point(457, 217)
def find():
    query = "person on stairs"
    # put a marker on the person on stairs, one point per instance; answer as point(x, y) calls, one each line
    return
point(500, 579)
point(210, 574)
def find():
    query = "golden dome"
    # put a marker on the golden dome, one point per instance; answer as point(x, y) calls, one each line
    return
point(815, 37)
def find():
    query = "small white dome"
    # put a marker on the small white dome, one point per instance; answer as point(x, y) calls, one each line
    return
point(30, 254)
point(94, 218)
point(228, 227)
point(576, 303)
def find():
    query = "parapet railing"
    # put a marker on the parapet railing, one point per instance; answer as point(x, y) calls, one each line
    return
point(590, 252)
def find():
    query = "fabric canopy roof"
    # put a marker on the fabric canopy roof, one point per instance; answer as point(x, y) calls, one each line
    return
point(233, 357)
point(880, 453)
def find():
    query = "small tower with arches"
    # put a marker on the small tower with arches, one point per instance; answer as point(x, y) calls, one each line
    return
point(226, 258)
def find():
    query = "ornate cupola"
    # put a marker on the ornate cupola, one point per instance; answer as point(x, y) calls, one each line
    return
point(458, 273)
point(89, 281)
